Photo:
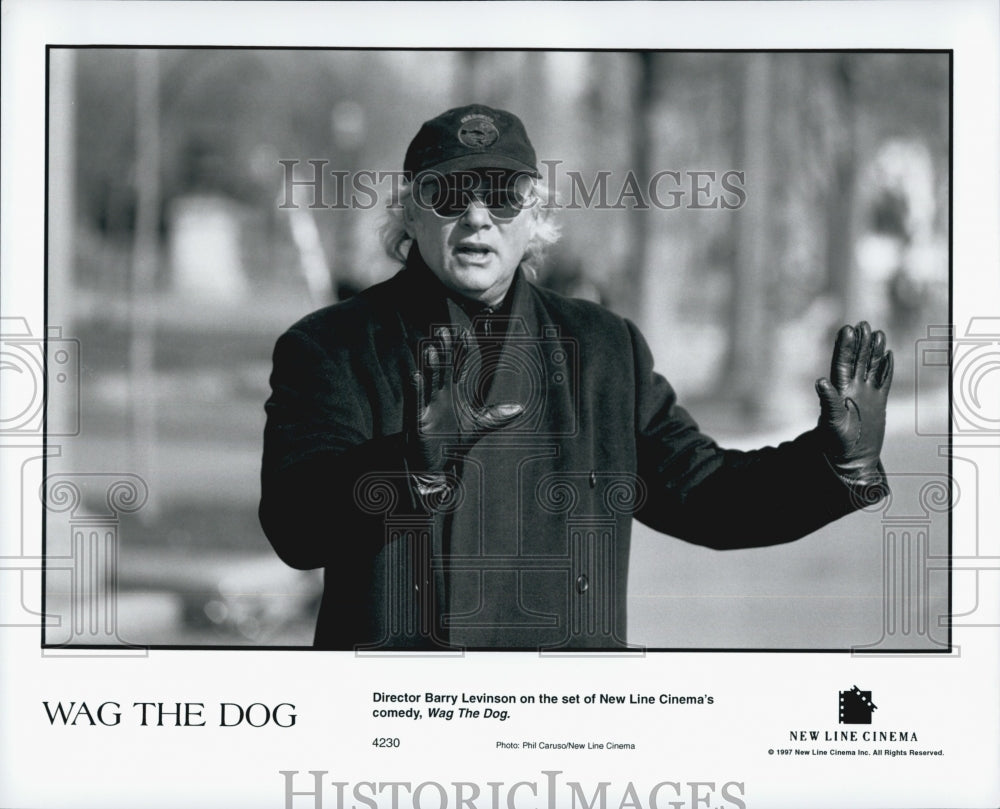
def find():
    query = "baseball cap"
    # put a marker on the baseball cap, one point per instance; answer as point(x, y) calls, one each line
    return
point(471, 137)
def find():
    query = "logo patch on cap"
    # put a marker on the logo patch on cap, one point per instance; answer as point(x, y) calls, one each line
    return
point(478, 132)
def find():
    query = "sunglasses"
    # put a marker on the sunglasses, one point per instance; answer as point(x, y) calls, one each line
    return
point(504, 194)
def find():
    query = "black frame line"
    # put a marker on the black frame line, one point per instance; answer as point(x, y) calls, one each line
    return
point(626, 652)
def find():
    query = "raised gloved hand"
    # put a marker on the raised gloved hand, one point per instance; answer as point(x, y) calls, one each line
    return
point(852, 406)
point(445, 414)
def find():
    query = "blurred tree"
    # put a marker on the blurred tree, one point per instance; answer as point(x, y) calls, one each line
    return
point(827, 116)
point(145, 257)
point(228, 116)
point(840, 198)
point(751, 333)
point(643, 114)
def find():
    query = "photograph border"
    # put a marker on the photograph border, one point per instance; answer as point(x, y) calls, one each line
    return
point(641, 650)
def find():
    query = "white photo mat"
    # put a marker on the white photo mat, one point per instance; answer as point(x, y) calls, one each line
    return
point(737, 749)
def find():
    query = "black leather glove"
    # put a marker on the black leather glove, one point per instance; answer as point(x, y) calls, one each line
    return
point(852, 406)
point(445, 414)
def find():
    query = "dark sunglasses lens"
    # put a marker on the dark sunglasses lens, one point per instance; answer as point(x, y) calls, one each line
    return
point(512, 196)
point(437, 195)
point(503, 202)
point(450, 196)
point(508, 196)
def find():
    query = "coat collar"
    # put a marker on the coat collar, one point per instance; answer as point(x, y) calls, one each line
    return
point(427, 302)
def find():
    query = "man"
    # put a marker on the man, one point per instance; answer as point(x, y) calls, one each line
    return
point(463, 452)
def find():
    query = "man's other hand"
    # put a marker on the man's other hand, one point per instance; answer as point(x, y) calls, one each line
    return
point(439, 398)
point(852, 406)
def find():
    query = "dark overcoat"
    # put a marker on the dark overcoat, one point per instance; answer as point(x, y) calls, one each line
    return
point(529, 548)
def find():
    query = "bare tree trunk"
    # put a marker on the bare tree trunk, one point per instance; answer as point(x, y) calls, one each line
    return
point(841, 268)
point(62, 210)
point(750, 352)
point(469, 79)
point(145, 244)
point(634, 273)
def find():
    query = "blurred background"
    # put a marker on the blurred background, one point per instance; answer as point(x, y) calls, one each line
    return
point(795, 192)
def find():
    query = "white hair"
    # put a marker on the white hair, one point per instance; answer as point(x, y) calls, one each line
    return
point(397, 241)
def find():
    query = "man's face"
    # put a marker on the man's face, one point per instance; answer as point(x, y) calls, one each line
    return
point(476, 243)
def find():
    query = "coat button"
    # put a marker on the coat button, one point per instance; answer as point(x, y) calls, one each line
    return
point(582, 583)
point(593, 479)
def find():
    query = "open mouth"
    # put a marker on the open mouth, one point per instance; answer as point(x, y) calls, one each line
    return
point(473, 250)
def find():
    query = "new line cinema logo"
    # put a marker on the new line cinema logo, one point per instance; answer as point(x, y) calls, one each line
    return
point(855, 707)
